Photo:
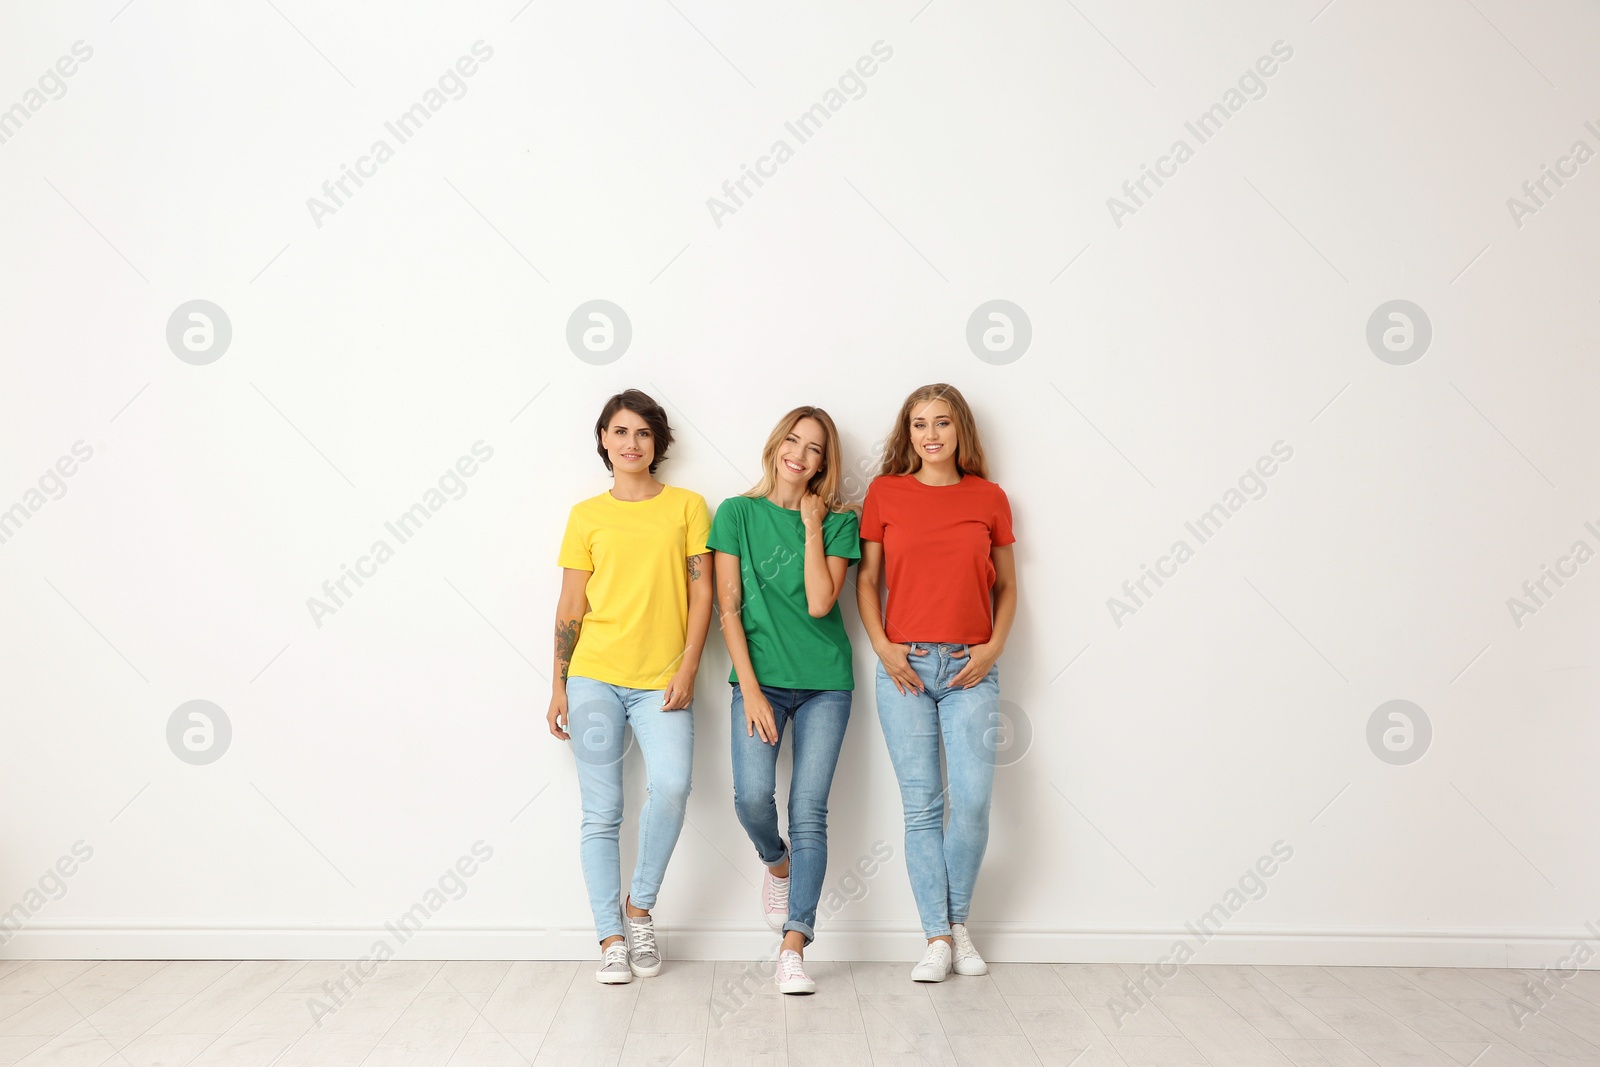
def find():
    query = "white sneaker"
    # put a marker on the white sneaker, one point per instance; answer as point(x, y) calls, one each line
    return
point(614, 969)
point(935, 965)
point(967, 960)
point(792, 977)
point(775, 899)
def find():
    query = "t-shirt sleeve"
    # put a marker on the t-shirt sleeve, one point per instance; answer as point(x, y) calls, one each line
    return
point(727, 529)
point(575, 545)
point(871, 522)
point(842, 536)
point(699, 525)
point(1000, 533)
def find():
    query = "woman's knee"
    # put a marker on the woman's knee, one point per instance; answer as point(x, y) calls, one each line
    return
point(969, 814)
point(671, 784)
point(753, 807)
point(604, 821)
point(923, 810)
point(807, 815)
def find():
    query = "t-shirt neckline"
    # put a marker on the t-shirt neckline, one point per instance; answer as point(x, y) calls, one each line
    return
point(646, 500)
point(780, 507)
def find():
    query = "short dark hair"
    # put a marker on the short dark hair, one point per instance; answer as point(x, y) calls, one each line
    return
point(644, 406)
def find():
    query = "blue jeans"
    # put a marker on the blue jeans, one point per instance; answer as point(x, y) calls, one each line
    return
point(820, 717)
point(596, 714)
point(942, 860)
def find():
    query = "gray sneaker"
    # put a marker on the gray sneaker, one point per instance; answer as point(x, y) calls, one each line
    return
point(643, 956)
point(614, 969)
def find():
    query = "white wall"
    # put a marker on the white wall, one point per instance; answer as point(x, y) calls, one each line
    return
point(1168, 354)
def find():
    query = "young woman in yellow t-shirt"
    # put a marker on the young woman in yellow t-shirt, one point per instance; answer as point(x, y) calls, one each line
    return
point(631, 623)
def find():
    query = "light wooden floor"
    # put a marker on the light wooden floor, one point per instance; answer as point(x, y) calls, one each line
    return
point(408, 1014)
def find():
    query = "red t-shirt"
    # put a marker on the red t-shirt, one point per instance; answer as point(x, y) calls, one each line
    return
point(936, 549)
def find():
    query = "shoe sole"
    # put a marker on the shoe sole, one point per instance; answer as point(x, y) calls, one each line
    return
point(644, 972)
point(614, 979)
point(971, 969)
point(941, 978)
point(796, 988)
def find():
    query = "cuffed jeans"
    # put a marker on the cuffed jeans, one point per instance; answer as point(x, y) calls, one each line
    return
point(942, 860)
point(820, 717)
point(596, 714)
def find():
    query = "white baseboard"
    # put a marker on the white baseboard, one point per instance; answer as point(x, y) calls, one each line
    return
point(1000, 942)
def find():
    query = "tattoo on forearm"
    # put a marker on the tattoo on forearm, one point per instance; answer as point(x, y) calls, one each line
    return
point(566, 641)
point(694, 568)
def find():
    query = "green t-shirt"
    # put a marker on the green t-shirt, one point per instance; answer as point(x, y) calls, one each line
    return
point(788, 648)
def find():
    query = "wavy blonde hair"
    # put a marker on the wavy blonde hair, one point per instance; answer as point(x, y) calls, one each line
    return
point(824, 483)
point(900, 458)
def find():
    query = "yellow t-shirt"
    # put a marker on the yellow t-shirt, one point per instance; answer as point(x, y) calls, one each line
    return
point(638, 593)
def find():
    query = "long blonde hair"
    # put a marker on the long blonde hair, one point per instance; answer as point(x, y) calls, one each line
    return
point(824, 483)
point(900, 458)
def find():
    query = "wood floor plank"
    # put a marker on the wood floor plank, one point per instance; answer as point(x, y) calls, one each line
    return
point(47, 1016)
point(1575, 1014)
point(1306, 983)
point(528, 995)
point(1098, 980)
point(224, 1002)
point(162, 1050)
point(1262, 1004)
point(830, 1050)
point(77, 1046)
point(905, 1031)
point(1496, 1054)
point(1027, 980)
point(1118, 1016)
point(1325, 1052)
point(1158, 1051)
point(832, 1009)
point(106, 981)
point(737, 1047)
point(1165, 981)
point(663, 1050)
point(1420, 1010)
point(676, 1001)
point(476, 980)
point(38, 977)
point(1537, 1034)
point(504, 1049)
point(15, 1046)
point(186, 976)
point(994, 1051)
point(428, 1031)
point(884, 980)
point(972, 1006)
point(1056, 1023)
point(1444, 982)
point(1375, 1032)
point(1221, 1034)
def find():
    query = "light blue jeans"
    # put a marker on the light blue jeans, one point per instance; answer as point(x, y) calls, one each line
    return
point(820, 717)
point(942, 860)
point(596, 715)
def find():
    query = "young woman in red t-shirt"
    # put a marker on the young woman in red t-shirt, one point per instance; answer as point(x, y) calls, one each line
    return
point(940, 532)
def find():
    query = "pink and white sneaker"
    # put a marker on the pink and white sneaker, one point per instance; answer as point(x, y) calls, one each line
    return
point(792, 977)
point(775, 899)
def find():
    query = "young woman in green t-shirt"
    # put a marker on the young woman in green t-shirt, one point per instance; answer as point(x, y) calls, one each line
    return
point(782, 550)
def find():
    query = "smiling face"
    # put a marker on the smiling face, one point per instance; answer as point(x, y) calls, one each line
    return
point(800, 453)
point(933, 433)
point(629, 444)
